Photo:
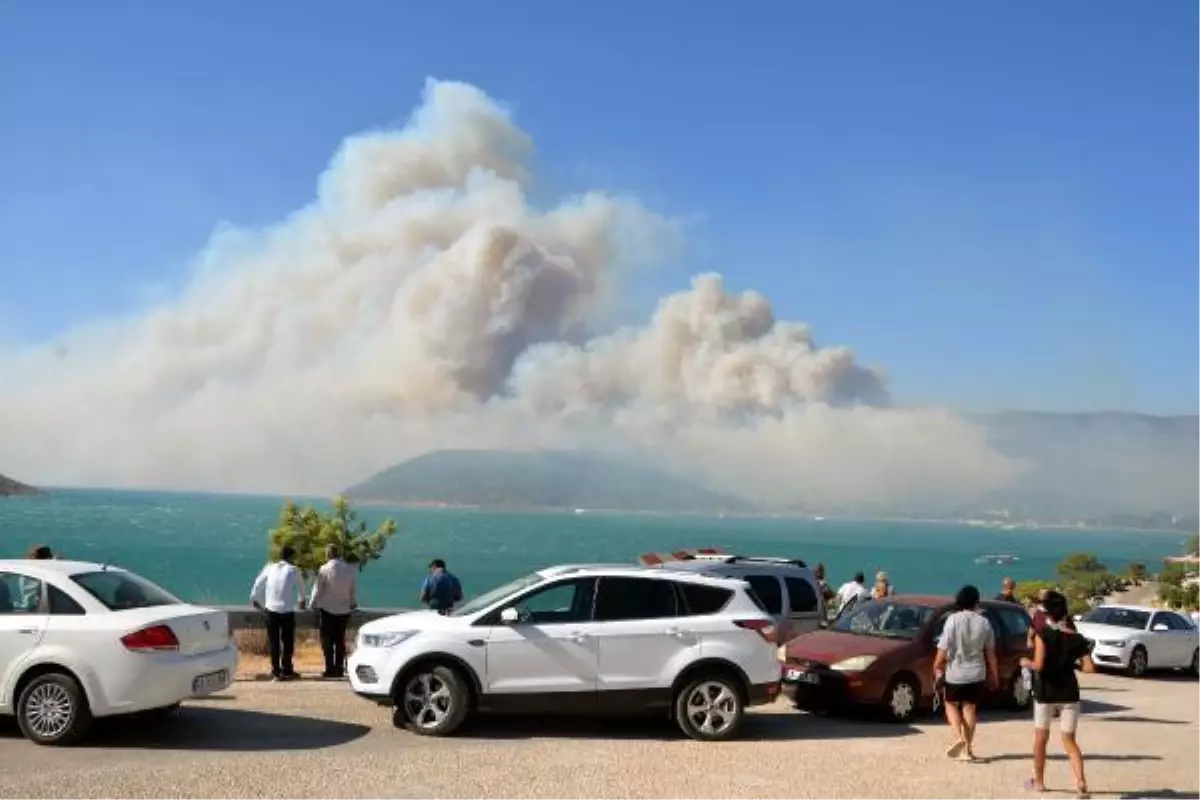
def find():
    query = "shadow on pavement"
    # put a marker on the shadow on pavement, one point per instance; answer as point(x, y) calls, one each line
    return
point(1138, 718)
point(1062, 757)
point(756, 728)
point(222, 730)
point(1153, 794)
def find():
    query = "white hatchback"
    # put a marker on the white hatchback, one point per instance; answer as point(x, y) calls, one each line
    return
point(79, 641)
point(577, 639)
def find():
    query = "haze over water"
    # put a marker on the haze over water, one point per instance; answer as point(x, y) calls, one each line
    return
point(207, 548)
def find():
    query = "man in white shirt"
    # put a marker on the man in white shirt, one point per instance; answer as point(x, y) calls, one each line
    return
point(852, 592)
point(334, 598)
point(277, 590)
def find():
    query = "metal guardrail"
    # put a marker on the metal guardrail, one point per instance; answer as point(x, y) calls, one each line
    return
point(246, 618)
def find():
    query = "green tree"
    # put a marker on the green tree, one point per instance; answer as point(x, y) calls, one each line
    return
point(1080, 564)
point(1136, 572)
point(1028, 591)
point(309, 530)
point(1193, 544)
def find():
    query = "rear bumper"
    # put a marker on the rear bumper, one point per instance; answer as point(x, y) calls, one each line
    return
point(149, 681)
point(764, 693)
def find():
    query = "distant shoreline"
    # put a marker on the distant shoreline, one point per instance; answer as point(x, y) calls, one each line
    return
point(1022, 527)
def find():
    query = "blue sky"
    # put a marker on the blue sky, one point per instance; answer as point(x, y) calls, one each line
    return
point(996, 203)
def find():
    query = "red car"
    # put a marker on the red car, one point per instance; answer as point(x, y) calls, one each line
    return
point(880, 654)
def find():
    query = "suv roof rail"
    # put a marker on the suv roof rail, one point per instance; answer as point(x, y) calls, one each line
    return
point(728, 559)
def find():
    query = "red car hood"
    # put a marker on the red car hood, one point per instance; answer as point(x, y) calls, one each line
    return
point(830, 647)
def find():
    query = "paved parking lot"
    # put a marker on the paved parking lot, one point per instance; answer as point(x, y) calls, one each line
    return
point(314, 739)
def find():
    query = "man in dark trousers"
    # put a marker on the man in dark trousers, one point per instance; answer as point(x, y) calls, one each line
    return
point(334, 598)
point(277, 590)
point(440, 590)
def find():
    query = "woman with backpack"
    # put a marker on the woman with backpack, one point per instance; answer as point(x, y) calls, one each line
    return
point(1057, 653)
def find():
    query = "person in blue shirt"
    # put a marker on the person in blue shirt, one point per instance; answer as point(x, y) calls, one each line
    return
point(440, 590)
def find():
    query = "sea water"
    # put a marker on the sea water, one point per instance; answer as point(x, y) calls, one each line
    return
point(208, 548)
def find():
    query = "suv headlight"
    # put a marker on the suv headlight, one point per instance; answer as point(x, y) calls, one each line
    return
point(1119, 643)
point(385, 639)
point(855, 663)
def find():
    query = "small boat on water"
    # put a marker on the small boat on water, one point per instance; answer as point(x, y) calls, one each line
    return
point(996, 558)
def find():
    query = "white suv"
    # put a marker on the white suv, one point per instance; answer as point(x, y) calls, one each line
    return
point(582, 639)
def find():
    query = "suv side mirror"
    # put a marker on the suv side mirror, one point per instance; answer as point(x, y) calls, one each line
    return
point(510, 616)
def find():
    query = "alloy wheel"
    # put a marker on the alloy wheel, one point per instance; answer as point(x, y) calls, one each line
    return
point(427, 700)
point(49, 710)
point(712, 708)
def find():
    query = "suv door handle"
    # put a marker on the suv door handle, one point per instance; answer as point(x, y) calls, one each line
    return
point(579, 637)
point(677, 633)
point(27, 631)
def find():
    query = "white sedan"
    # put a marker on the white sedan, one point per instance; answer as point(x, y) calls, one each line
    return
point(79, 641)
point(1140, 638)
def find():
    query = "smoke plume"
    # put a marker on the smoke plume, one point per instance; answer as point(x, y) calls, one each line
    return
point(421, 302)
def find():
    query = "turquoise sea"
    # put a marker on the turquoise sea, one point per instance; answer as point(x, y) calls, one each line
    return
point(208, 548)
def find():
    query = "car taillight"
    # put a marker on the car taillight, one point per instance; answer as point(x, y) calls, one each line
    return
point(760, 626)
point(157, 639)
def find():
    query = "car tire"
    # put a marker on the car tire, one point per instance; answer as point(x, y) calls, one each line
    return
point(710, 708)
point(53, 710)
point(1139, 662)
point(1194, 669)
point(902, 700)
point(432, 701)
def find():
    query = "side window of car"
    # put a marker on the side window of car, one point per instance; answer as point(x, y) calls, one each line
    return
point(997, 624)
point(19, 594)
point(768, 590)
point(1182, 623)
point(1160, 619)
point(61, 602)
point(1016, 622)
point(699, 600)
point(568, 601)
point(801, 596)
point(635, 598)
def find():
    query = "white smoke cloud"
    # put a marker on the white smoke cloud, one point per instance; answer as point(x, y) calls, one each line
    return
point(421, 302)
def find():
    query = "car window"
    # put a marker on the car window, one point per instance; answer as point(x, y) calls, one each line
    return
point(1182, 623)
point(635, 598)
point(993, 618)
point(768, 591)
point(886, 619)
point(801, 595)
point(19, 594)
point(1119, 617)
point(121, 591)
point(1164, 618)
point(61, 602)
point(566, 601)
point(486, 599)
point(1015, 621)
point(698, 600)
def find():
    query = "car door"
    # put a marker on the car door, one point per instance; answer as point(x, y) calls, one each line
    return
point(1179, 635)
point(804, 607)
point(23, 621)
point(1010, 645)
point(1163, 645)
point(642, 639)
point(548, 658)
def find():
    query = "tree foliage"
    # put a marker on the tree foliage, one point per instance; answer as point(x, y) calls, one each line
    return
point(1137, 572)
point(309, 530)
point(1193, 544)
point(1027, 591)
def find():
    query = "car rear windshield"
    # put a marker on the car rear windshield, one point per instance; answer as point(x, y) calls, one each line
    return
point(885, 619)
point(1118, 617)
point(120, 591)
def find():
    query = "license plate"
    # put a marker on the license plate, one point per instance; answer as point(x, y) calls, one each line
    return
point(210, 682)
point(801, 676)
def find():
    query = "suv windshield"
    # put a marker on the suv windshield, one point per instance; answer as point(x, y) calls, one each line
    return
point(495, 595)
point(885, 619)
point(1118, 617)
point(119, 590)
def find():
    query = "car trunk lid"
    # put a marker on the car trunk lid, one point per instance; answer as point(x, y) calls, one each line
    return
point(199, 630)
